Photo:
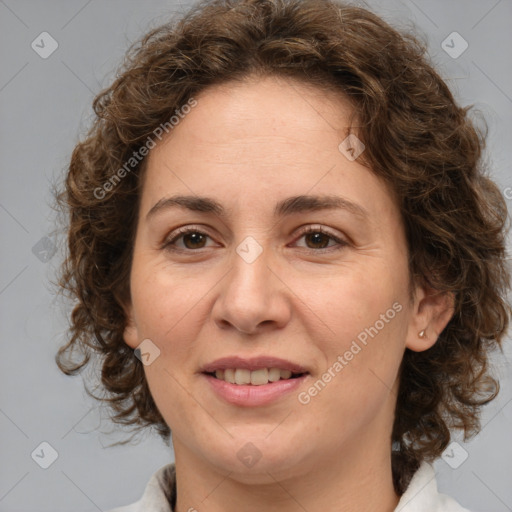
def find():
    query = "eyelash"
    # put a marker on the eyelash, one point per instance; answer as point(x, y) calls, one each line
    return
point(169, 243)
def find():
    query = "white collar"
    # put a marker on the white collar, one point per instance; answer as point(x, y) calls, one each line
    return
point(422, 495)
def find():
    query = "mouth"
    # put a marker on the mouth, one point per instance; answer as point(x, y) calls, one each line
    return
point(256, 382)
point(259, 377)
point(255, 371)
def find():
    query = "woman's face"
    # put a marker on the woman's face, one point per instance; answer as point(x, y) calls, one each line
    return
point(248, 283)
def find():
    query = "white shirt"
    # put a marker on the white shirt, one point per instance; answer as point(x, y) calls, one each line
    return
point(420, 496)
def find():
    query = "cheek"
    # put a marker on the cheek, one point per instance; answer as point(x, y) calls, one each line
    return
point(165, 302)
point(367, 318)
point(360, 372)
point(353, 300)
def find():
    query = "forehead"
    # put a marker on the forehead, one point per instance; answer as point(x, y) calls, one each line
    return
point(260, 141)
point(269, 106)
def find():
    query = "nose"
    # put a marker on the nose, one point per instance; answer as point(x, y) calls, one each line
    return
point(252, 297)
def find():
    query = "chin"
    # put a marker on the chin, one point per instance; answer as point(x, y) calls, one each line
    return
point(256, 458)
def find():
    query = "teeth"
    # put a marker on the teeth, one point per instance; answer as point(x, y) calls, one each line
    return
point(274, 374)
point(259, 377)
point(286, 374)
point(256, 378)
point(242, 376)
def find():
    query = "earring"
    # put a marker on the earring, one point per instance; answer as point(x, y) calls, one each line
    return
point(422, 334)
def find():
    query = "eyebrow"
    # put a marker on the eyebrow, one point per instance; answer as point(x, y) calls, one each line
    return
point(286, 207)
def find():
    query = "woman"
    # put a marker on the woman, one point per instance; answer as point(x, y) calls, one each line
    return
point(286, 252)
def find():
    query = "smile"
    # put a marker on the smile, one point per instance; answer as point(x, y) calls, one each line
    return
point(242, 376)
point(254, 395)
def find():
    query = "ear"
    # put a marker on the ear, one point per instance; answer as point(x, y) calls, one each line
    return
point(131, 333)
point(432, 310)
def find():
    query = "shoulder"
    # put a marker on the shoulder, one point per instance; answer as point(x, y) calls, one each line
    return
point(422, 495)
point(158, 493)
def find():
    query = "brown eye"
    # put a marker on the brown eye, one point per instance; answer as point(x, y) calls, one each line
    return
point(192, 239)
point(317, 239)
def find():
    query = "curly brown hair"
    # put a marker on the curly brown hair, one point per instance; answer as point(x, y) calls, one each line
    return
point(417, 139)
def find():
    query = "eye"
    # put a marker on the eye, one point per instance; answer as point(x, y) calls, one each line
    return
point(192, 237)
point(319, 238)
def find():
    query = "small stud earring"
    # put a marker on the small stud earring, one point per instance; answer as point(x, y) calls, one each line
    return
point(422, 334)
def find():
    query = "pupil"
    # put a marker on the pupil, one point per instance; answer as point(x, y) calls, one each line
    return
point(317, 238)
point(195, 237)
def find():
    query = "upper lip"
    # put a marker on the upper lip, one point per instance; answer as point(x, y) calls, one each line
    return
point(253, 363)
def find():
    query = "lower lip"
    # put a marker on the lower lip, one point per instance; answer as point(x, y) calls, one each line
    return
point(252, 396)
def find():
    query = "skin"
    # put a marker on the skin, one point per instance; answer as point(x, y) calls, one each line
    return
point(249, 145)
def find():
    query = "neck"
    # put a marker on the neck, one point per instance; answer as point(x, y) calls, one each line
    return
point(360, 478)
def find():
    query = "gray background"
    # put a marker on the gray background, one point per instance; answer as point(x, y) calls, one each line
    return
point(45, 106)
